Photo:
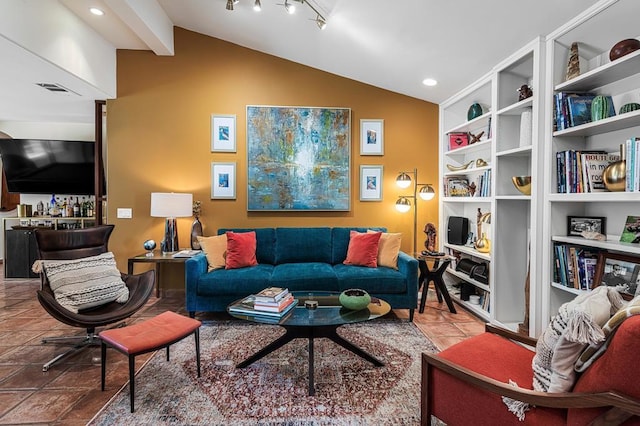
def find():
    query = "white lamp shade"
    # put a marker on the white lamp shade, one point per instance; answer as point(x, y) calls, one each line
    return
point(403, 205)
point(171, 204)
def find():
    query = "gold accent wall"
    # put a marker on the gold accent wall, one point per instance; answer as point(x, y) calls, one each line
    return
point(158, 138)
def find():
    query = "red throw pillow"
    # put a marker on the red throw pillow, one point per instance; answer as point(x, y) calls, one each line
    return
point(241, 250)
point(363, 249)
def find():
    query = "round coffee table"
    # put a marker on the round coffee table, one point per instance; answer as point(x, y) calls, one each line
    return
point(311, 324)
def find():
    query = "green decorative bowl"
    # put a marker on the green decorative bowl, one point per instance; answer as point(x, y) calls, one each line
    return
point(355, 299)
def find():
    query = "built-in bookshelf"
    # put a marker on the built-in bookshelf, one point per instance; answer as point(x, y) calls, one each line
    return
point(620, 80)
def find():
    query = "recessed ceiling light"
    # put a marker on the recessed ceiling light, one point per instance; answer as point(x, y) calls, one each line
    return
point(96, 11)
point(429, 82)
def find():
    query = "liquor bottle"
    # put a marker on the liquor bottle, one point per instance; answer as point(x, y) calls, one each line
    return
point(64, 207)
point(52, 204)
point(76, 208)
point(90, 209)
point(83, 207)
point(70, 207)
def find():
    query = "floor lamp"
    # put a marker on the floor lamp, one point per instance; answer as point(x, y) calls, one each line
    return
point(404, 201)
point(171, 205)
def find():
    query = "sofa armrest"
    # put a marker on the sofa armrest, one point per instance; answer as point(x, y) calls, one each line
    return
point(408, 266)
point(194, 268)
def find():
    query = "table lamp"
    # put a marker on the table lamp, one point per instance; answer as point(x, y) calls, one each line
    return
point(171, 205)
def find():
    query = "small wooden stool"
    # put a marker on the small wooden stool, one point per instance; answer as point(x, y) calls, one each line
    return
point(156, 333)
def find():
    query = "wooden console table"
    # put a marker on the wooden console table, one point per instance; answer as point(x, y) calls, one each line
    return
point(157, 258)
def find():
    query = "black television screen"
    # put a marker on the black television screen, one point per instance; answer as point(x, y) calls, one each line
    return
point(36, 166)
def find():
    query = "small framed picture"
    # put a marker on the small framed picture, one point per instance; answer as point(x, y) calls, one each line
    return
point(458, 140)
point(223, 181)
point(631, 231)
point(620, 271)
point(577, 224)
point(370, 183)
point(223, 133)
point(371, 137)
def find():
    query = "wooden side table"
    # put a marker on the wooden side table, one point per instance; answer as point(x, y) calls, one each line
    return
point(440, 264)
point(157, 258)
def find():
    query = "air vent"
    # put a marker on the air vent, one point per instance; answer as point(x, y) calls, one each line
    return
point(55, 87)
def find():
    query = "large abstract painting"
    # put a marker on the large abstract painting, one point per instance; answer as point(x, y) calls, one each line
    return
point(298, 158)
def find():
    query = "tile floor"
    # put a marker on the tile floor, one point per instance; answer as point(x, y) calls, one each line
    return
point(69, 393)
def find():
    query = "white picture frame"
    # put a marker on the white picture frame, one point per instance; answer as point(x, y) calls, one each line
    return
point(223, 181)
point(371, 182)
point(371, 137)
point(223, 133)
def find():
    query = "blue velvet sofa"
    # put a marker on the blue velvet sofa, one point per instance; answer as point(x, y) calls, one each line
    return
point(300, 259)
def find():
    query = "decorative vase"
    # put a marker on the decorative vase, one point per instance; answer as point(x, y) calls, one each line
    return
point(601, 107)
point(474, 111)
point(615, 175)
point(526, 127)
point(631, 106)
point(354, 299)
point(483, 245)
point(196, 230)
point(623, 48)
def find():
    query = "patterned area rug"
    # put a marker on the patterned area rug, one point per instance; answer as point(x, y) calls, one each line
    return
point(274, 390)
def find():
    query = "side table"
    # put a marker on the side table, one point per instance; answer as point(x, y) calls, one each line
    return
point(440, 264)
point(157, 258)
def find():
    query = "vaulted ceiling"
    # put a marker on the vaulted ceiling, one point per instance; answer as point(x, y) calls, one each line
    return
point(394, 45)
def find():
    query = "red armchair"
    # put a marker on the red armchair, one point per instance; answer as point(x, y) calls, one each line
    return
point(464, 384)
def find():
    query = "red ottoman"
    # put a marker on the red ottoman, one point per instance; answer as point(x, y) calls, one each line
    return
point(159, 332)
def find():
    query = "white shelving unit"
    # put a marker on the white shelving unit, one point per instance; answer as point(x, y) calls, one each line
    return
point(621, 80)
point(513, 214)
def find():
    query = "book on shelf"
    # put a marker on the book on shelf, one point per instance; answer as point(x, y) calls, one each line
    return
point(632, 152)
point(271, 294)
point(575, 266)
point(247, 306)
point(581, 171)
point(456, 186)
point(274, 306)
point(571, 109)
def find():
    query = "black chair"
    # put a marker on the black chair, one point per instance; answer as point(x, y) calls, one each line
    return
point(75, 244)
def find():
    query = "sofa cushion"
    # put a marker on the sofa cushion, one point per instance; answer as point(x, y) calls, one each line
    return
point(295, 245)
point(215, 248)
point(374, 280)
point(305, 276)
point(340, 241)
point(241, 250)
point(363, 249)
point(240, 282)
point(388, 249)
point(265, 242)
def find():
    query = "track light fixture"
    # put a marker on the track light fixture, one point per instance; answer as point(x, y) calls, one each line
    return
point(322, 24)
point(289, 6)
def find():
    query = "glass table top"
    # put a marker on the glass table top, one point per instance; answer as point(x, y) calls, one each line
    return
point(328, 312)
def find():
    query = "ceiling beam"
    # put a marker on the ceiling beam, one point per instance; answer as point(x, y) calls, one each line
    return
point(147, 20)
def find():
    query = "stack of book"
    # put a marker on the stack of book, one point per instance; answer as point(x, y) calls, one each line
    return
point(272, 302)
point(575, 266)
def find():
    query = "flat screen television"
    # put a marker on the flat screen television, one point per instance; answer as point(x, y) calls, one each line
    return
point(36, 166)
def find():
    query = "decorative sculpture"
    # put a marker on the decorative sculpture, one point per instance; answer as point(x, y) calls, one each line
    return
point(475, 138)
point(524, 92)
point(432, 237)
point(573, 67)
point(458, 168)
